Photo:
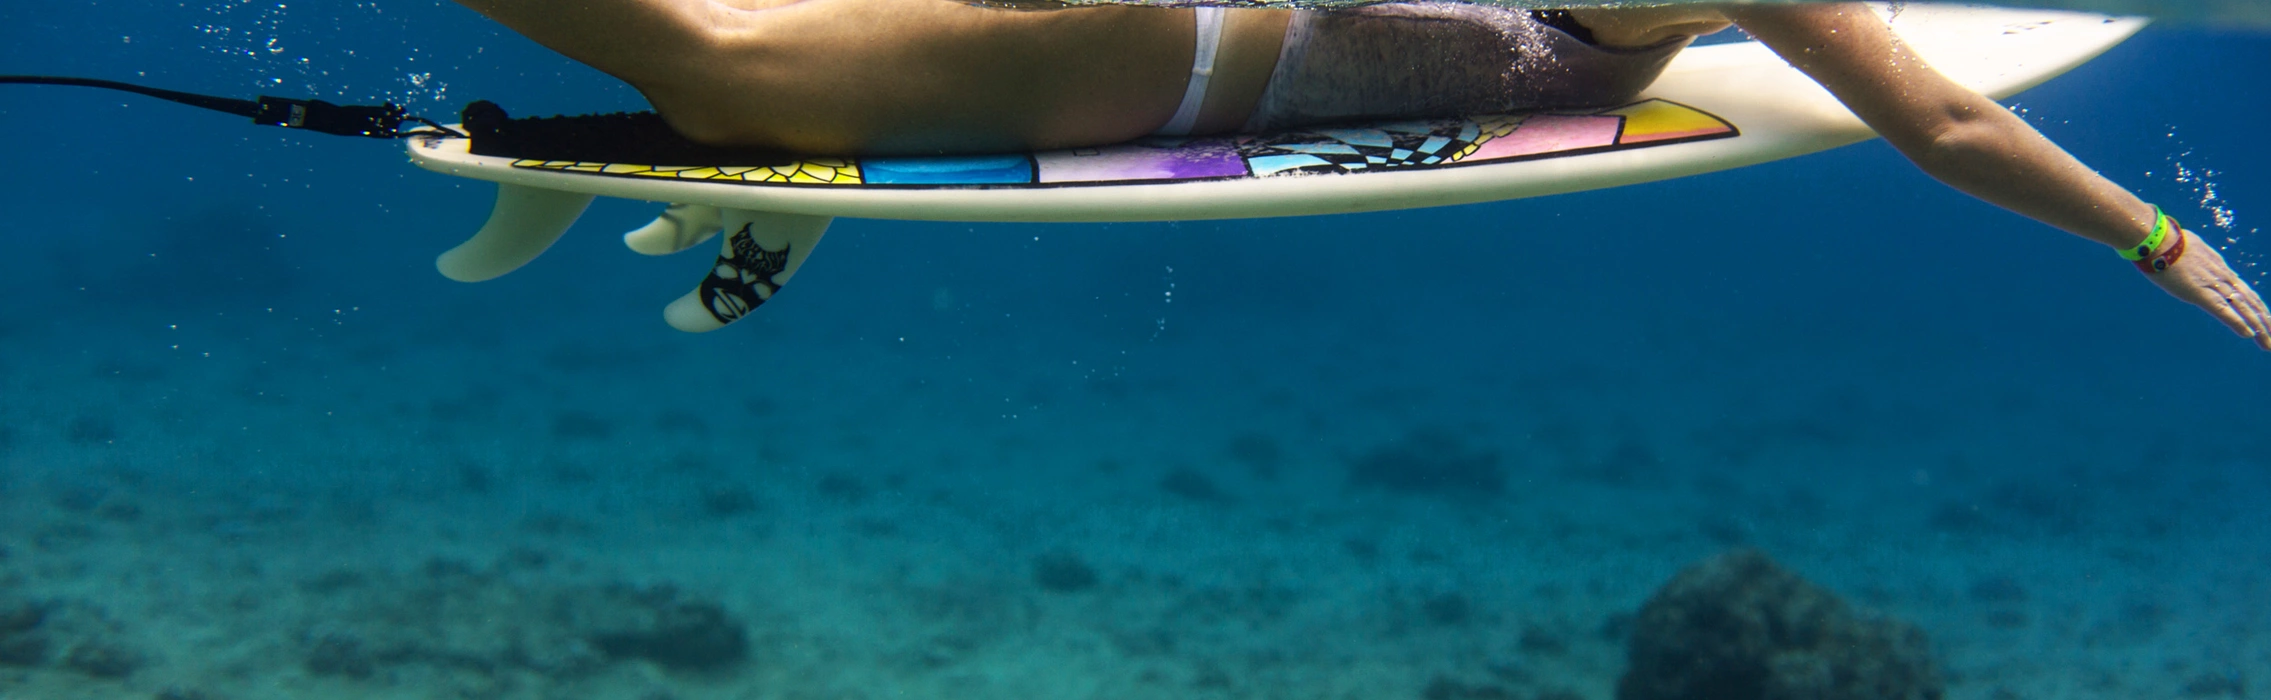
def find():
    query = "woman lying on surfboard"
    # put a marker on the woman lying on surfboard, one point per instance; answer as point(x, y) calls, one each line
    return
point(936, 76)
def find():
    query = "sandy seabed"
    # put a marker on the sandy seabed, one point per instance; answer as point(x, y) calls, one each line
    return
point(264, 509)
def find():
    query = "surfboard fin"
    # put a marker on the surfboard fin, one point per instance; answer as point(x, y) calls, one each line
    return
point(761, 251)
point(681, 226)
point(524, 223)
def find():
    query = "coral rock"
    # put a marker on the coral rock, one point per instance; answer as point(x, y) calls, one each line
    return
point(102, 660)
point(1740, 627)
point(680, 635)
point(1062, 572)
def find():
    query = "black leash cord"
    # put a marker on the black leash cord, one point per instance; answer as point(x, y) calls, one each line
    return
point(374, 121)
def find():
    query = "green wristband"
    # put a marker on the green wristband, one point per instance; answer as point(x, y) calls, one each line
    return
point(2163, 227)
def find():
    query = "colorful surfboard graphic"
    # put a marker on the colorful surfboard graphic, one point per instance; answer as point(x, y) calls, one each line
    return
point(1406, 145)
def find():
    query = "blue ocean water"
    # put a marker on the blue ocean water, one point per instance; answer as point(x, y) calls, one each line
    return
point(252, 446)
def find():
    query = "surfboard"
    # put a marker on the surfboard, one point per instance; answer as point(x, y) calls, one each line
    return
point(1715, 107)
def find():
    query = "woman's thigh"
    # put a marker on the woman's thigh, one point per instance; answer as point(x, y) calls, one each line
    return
point(927, 76)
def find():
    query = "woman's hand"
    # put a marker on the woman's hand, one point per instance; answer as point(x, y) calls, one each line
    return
point(2201, 278)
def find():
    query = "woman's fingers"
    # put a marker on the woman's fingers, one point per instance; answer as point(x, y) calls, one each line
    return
point(2224, 310)
point(2203, 279)
point(2243, 305)
point(2222, 301)
point(2259, 316)
point(2244, 302)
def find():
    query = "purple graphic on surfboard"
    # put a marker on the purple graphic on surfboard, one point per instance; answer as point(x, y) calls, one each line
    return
point(1146, 159)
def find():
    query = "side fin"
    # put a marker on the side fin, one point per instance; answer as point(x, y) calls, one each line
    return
point(525, 222)
point(681, 226)
point(762, 250)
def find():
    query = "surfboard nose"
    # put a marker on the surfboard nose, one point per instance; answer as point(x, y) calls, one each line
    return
point(525, 222)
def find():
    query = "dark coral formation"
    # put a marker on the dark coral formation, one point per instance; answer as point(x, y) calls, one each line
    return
point(1447, 609)
point(1063, 572)
point(91, 429)
point(473, 627)
point(338, 654)
point(581, 425)
point(1189, 483)
point(1440, 688)
point(69, 635)
point(1740, 627)
point(1430, 462)
point(1258, 451)
point(2226, 684)
point(683, 635)
point(728, 501)
point(844, 489)
point(21, 640)
point(102, 659)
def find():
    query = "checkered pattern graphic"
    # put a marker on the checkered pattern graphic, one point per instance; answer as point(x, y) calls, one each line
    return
point(1377, 147)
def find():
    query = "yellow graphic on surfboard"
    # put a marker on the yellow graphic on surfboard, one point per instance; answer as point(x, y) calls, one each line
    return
point(817, 171)
point(1434, 143)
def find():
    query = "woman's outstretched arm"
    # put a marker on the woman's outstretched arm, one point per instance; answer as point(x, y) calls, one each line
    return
point(1975, 145)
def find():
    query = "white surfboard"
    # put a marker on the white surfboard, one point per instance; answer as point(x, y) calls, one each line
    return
point(1715, 108)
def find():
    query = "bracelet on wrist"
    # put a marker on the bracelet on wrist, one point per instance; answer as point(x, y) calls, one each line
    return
point(2166, 259)
point(2165, 227)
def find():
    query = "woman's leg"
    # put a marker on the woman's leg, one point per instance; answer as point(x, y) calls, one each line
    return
point(851, 76)
point(636, 40)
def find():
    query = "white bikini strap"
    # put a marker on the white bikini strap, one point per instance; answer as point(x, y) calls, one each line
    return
point(1202, 71)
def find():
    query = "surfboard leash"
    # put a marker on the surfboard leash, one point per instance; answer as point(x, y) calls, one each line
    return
point(621, 137)
point(381, 121)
